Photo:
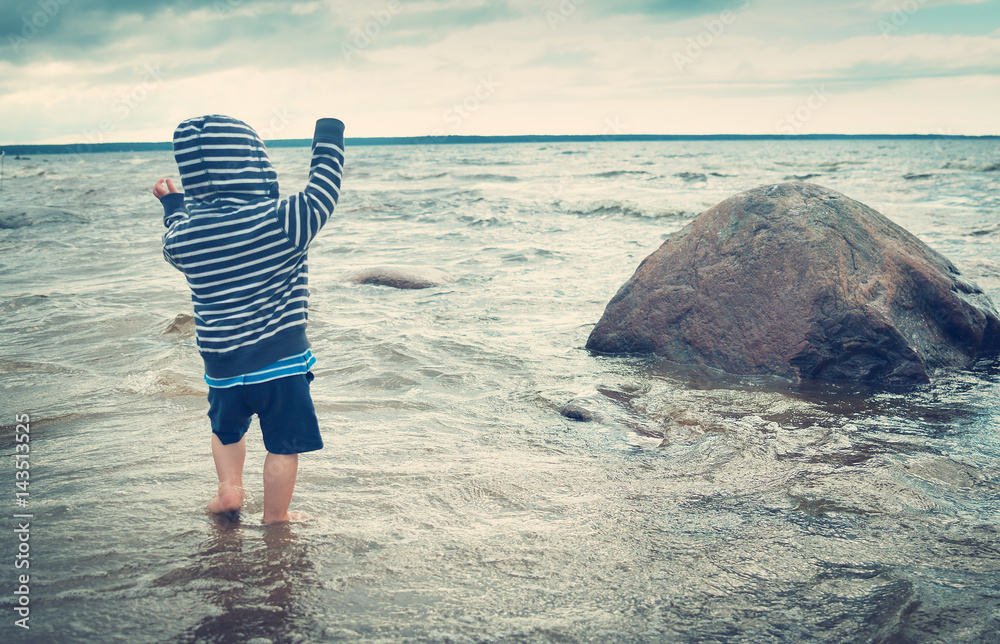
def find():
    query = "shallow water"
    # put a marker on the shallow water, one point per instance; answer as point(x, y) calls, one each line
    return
point(453, 502)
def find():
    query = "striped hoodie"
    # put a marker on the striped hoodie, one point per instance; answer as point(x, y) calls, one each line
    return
point(242, 249)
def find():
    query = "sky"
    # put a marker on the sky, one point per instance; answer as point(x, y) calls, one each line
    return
point(75, 71)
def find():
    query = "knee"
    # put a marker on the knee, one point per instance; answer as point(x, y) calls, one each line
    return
point(279, 466)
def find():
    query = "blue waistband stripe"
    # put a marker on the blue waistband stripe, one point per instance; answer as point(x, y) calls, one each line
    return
point(290, 366)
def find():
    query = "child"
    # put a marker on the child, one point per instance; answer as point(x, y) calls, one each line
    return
point(243, 252)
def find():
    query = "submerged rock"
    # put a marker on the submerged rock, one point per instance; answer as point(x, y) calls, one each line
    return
point(802, 282)
point(612, 407)
point(183, 324)
point(398, 277)
point(579, 409)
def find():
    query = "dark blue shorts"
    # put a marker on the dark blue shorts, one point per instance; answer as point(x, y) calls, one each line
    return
point(284, 407)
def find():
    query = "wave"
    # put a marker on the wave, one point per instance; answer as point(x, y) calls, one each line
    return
point(484, 222)
point(484, 162)
point(12, 217)
point(625, 208)
point(971, 167)
point(136, 161)
point(402, 176)
point(23, 366)
point(826, 167)
point(611, 174)
point(505, 178)
point(26, 173)
point(39, 423)
point(163, 382)
point(15, 303)
point(992, 230)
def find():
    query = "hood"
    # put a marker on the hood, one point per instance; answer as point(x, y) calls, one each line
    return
point(222, 159)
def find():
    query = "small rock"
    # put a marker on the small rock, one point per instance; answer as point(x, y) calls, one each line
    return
point(182, 325)
point(576, 409)
point(398, 277)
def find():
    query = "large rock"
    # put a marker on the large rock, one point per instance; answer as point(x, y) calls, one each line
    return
point(802, 282)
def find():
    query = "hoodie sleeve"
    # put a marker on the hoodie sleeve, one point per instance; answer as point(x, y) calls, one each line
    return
point(304, 214)
point(174, 212)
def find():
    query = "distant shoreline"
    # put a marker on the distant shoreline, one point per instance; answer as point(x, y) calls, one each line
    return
point(86, 148)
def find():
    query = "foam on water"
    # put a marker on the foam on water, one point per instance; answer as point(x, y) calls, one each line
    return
point(453, 501)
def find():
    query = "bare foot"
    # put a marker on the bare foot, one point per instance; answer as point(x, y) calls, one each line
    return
point(228, 499)
point(291, 515)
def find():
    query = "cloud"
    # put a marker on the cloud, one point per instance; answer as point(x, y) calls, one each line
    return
point(81, 24)
point(666, 8)
point(399, 67)
point(223, 31)
point(890, 6)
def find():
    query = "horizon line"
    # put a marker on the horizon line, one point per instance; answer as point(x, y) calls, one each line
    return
point(137, 146)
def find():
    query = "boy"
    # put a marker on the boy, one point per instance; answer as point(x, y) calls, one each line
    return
point(243, 252)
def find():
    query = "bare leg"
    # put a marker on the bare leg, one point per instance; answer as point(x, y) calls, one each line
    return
point(279, 483)
point(229, 465)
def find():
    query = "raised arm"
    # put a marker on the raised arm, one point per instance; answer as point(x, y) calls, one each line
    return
point(304, 214)
point(174, 210)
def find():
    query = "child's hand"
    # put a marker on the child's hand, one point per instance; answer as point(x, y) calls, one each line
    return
point(159, 190)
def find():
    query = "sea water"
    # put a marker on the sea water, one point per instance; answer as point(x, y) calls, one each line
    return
point(453, 502)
